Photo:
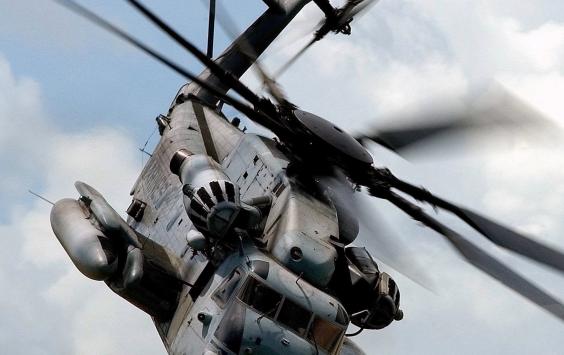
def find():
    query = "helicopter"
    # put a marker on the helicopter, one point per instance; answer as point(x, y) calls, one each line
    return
point(242, 227)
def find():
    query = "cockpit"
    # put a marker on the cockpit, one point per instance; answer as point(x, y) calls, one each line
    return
point(273, 309)
point(282, 310)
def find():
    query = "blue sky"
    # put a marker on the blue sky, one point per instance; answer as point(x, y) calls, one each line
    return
point(108, 80)
point(76, 103)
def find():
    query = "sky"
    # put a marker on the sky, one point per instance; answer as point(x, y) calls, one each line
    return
point(75, 104)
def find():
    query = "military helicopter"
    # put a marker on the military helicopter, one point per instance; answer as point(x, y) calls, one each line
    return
point(237, 243)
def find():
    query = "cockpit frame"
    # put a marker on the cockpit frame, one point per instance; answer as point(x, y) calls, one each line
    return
point(329, 334)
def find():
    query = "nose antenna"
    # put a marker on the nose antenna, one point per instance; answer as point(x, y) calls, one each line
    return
point(40, 197)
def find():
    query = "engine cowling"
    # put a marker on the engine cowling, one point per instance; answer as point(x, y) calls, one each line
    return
point(211, 199)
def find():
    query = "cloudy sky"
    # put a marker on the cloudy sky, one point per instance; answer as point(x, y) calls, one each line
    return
point(75, 104)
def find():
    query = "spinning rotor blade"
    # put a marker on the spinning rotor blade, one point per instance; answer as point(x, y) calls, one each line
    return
point(231, 80)
point(274, 89)
point(402, 138)
point(495, 108)
point(87, 14)
point(388, 249)
point(496, 233)
point(292, 60)
point(326, 7)
point(337, 20)
point(392, 251)
point(211, 29)
point(355, 7)
point(481, 259)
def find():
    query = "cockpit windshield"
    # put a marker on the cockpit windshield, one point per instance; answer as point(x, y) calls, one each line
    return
point(261, 297)
point(318, 331)
point(294, 317)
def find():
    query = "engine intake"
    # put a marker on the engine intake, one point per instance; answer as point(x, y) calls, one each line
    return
point(211, 199)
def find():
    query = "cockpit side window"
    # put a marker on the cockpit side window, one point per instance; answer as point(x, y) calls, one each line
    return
point(294, 317)
point(324, 334)
point(320, 332)
point(261, 297)
point(225, 290)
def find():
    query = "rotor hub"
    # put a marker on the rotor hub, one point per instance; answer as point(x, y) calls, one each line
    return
point(327, 135)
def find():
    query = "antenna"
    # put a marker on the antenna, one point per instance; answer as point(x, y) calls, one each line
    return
point(211, 29)
point(41, 197)
point(143, 148)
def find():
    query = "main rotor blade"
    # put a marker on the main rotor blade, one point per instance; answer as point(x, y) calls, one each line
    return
point(244, 46)
point(495, 108)
point(399, 139)
point(326, 7)
point(481, 259)
point(356, 7)
point(223, 75)
point(92, 17)
point(296, 56)
point(392, 251)
point(211, 29)
point(337, 20)
point(498, 234)
point(388, 249)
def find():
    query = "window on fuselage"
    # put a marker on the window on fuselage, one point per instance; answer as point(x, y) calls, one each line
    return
point(261, 297)
point(294, 317)
point(324, 334)
point(225, 290)
point(320, 332)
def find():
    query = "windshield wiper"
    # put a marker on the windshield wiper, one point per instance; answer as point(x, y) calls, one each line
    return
point(269, 312)
point(314, 341)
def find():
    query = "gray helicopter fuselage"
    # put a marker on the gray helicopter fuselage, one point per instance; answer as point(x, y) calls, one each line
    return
point(229, 318)
point(296, 219)
point(242, 244)
point(266, 293)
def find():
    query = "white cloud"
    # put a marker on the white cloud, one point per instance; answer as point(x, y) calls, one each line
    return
point(542, 46)
point(543, 90)
point(411, 52)
point(491, 43)
point(42, 291)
